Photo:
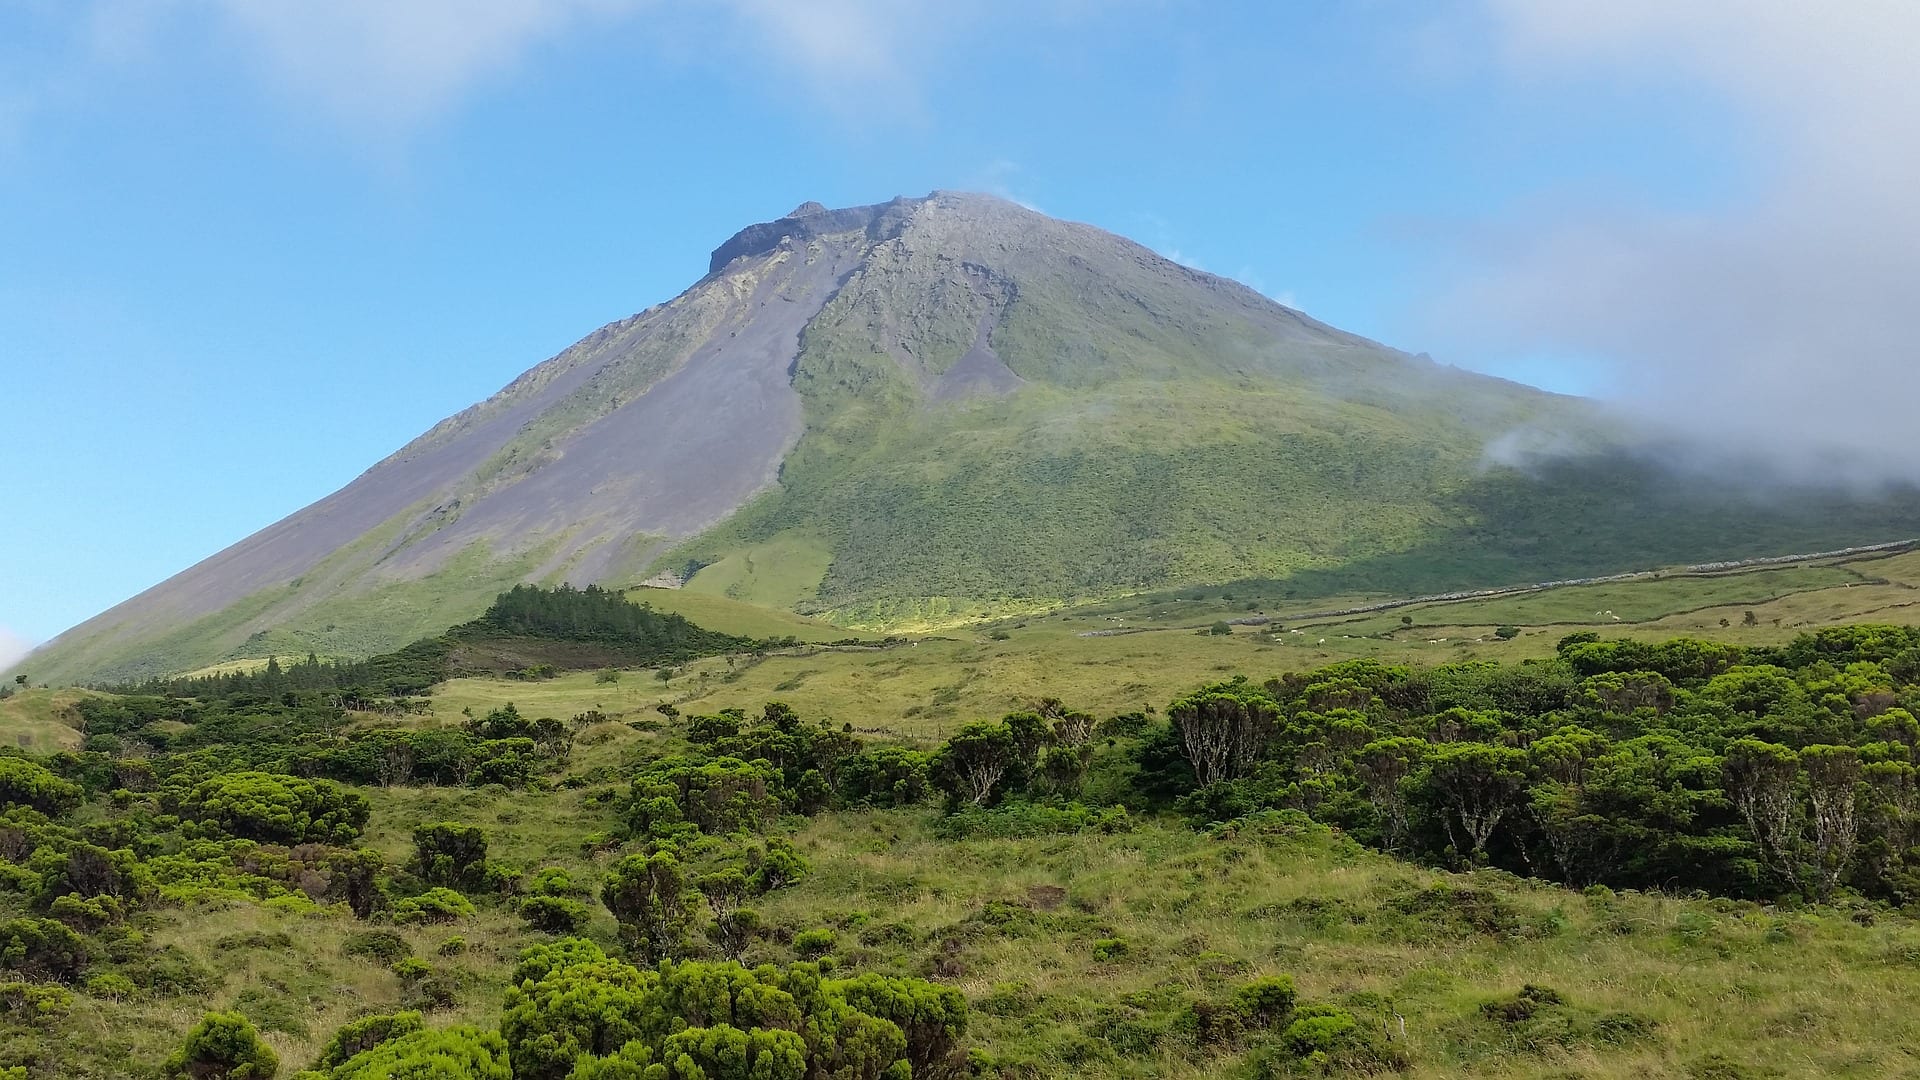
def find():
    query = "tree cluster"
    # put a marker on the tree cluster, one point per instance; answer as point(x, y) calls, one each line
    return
point(1686, 764)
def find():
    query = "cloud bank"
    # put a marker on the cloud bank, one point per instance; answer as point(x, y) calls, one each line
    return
point(13, 648)
point(1778, 329)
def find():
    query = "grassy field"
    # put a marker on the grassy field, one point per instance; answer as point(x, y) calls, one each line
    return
point(923, 690)
point(729, 616)
point(41, 721)
point(914, 692)
point(1650, 985)
point(1653, 986)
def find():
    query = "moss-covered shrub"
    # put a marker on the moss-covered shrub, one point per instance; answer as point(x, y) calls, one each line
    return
point(554, 914)
point(364, 1034)
point(223, 1046)
point(25, 783)
point(436, 905)
point(273, 808)
point(450, 854)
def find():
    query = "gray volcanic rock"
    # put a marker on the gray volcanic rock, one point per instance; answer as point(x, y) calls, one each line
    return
point(646, 431)
point(882, 221)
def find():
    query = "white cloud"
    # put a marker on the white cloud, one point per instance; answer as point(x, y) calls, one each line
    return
point(388, 66)
point(397, 63)
point(1777, 326)
point(13, 648)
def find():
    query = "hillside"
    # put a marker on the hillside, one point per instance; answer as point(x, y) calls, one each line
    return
point(927, 411)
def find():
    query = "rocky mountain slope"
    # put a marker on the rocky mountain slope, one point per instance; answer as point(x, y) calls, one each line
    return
point(932, 409)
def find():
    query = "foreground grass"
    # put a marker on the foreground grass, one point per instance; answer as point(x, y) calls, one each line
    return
point(1026, 929)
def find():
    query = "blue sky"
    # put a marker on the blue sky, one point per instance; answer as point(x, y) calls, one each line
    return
point(247, 250)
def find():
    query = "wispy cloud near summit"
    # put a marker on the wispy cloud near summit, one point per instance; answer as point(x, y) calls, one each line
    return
point(1778, 325)
point(13, 648)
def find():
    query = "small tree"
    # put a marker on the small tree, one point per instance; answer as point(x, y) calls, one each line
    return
point(776, 866)
point(725, 890)
point(1478, 784)
point(649, 898)
point(1760, 780)
point(222, 1046)
point(1833, 775)
point(973, 763)
point(1224, 730)
point(1383, 767)
point(1507, 633)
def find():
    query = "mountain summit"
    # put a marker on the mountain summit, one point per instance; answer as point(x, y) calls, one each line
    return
point(913, 413)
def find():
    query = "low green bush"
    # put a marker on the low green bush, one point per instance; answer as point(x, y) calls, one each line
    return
point(436, 905)
point(222, 1046)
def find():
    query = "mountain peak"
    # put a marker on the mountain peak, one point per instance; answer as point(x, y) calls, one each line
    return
point(868, 378)
point(810, 219)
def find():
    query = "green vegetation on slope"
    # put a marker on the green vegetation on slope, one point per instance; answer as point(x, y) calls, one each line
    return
point(256, 854)
point(739, 618)
point(528, 632)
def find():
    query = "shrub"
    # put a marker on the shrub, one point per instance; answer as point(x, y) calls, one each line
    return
point(435, 991)
point(501, 879)
point(411, 969)
point(883, 776)
point(364, 1034)
point(449, 853)
point(24, 783)
point(554, 914)
point(718, 796)
point(1507, 633)
point(554, 881)
point(453, 946)
point(1523, 1005)
point(42, 949)
point(112, 985)
point(279, 809)
point(775, 866)
point(1319, 1029)
point(436, 905)
point(465, 1052)
point(39, 1001)
point(1267, 1002)
point(223, 1046)
point(812, 943)
point(1108, 950)
point(382, 945)
point(932, 1017)
point(539, 961)
point(604, 1019)
point(648, 896)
